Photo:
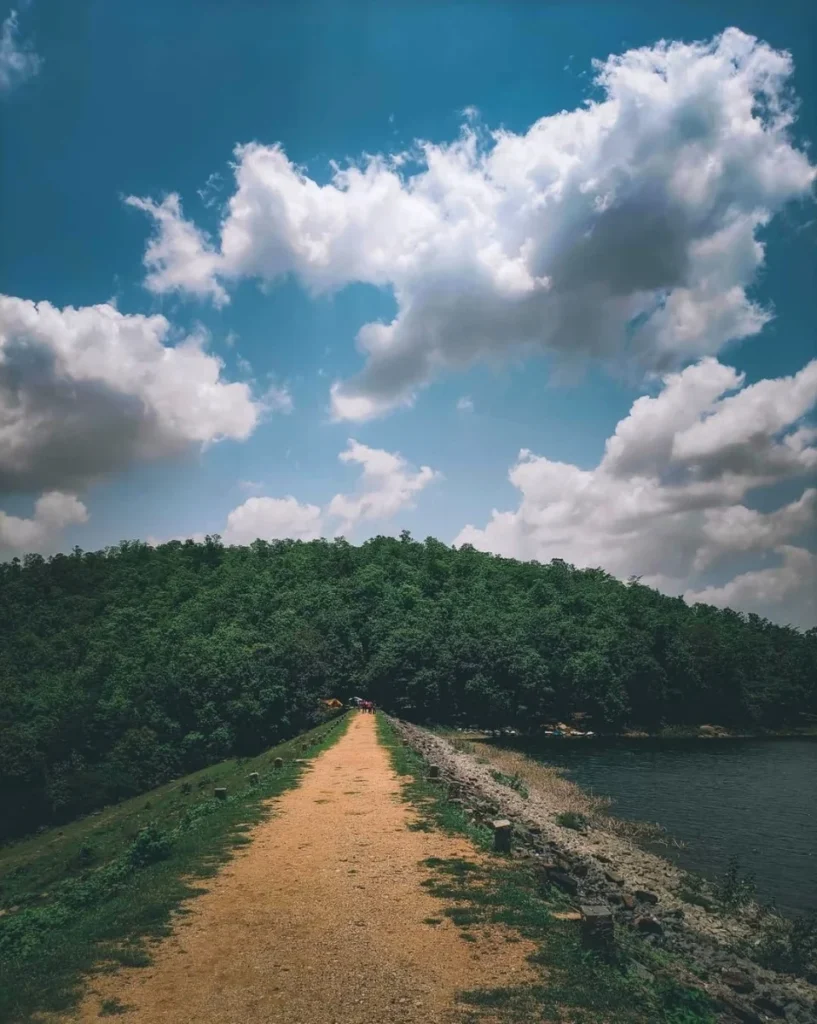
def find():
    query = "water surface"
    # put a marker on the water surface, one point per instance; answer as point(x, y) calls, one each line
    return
point(754, 799)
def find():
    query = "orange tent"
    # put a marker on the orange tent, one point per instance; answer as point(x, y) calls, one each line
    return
point(333, 702)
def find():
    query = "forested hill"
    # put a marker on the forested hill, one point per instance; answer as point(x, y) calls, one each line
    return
point(122, 668)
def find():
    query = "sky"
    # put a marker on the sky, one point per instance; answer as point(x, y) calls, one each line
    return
point(535, 277)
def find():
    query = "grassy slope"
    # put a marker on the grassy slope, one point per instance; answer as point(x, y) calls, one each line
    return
point(95, 893)
point(636, 988)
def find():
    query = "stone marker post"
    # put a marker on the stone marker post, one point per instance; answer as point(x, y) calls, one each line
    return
point(434, 771)
point(502, 835)
point(220, 793)
point(278, 762)
point(254, 777)
point(597, 928)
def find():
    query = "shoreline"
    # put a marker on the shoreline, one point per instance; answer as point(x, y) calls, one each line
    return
point(669, 734)
point(604, 863)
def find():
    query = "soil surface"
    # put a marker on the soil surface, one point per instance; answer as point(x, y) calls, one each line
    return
point(322, 919)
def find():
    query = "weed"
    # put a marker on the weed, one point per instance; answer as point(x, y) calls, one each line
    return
point(151, 845)
point(734, 889)
point(572, 819)
point(693, 890)
point(788, 945)
point(112, 1007)
point(514, 782)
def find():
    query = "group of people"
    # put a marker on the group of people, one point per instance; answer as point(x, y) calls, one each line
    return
point(367, 706)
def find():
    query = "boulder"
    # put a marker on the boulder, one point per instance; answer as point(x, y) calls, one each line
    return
point(567, 883)
point(649, 925)
point(738, 980)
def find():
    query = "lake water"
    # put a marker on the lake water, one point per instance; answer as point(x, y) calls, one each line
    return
point(754, 799)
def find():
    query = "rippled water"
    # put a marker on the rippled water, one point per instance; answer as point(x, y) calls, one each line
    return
point(754, 799)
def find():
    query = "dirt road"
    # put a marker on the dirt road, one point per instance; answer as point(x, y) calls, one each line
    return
point(323, 919)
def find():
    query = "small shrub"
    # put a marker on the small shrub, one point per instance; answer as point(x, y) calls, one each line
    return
point(789, 946)
point(572, 819)
point(112, 1008)
point(87, 855)
point(514, 782)
point(186, 788)
point(693, 890)
point(151, 844)
point(735, 889)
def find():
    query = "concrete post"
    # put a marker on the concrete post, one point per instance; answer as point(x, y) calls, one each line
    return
point(434, 771)
point(597, 928)
point(278, 762)
point(220, 793)
point(254, 777)
point(502, 835)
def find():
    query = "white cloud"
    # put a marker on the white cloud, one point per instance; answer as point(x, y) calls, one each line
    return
point(625, 229)
point(787, 592)
point(278, 399)
point(271, 518)
point(251, 486)
point(86, 392)
point(179, 257)
point(53, 512)
point(465, 404)
point(667, 500)
point(212, 187)
point(18, 62)
point(387, 484)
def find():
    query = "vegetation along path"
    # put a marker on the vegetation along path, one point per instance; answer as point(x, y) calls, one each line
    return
point(322, 918)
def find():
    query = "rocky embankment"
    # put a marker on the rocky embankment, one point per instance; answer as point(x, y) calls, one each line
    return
point(600, 869)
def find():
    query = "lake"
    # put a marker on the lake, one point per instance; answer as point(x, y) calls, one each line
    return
point(754, 799)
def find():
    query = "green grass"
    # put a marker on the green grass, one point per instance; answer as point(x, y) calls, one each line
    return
point(94, 894)
point(514, 782)
point(574, 984)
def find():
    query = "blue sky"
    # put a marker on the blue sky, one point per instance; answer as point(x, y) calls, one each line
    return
point(275, 265)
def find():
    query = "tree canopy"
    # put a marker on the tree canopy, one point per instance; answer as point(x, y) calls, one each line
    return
point(120, 669)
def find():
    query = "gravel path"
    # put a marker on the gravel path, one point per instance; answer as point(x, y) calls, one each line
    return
point(322, 919)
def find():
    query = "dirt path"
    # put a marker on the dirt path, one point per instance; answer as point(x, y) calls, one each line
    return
point(322, 919)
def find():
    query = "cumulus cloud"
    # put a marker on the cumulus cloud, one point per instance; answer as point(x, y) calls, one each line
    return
point(465, 404)
point(667, 501)
point(790, 589)
point(53, 512)
point(86, 392)
point(18, 61)
point(271, 518)
point(387, 484)
point(625, 229)
point(179, 257)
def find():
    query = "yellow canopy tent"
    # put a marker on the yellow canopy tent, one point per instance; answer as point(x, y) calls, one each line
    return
point(333, 702)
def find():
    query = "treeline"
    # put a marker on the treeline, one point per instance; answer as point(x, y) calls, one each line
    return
point(122, 668)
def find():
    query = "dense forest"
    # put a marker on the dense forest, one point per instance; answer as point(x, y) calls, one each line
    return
point(122, 668)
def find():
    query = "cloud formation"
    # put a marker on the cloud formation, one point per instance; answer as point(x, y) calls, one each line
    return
point(788, 590)
point(271, 518)
point(53, 512)
point(668, 499)
point(387, 485)
point(89, 391)
point(623, 230)
point(18, 61)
